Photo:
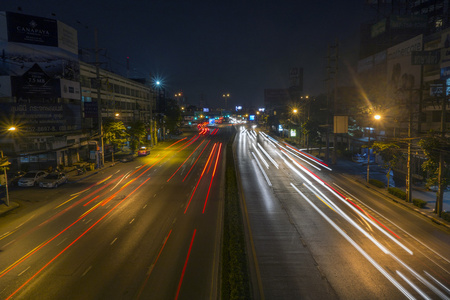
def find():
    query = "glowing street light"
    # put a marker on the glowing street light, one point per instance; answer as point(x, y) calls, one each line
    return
point(4, 164)
point(226, 96)
point(375, 117)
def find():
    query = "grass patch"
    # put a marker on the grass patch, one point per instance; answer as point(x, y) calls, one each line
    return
point(445, 216)
point(397, 193)
point(376, 183)
point(419, 202)
point(235, 275)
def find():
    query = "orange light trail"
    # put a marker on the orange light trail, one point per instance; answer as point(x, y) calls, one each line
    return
point(104, 202)
point(188, 143)
point(54, 217)
point(175, 143)
point(44, 244)
point(201, 176)
point(185, 265)
point(185, 161)
point(212, 177)
point(196, 161)
point(73, 242)
point(211, 162)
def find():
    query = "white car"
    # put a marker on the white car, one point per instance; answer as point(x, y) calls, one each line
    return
point(31, 178)
point(53, 180)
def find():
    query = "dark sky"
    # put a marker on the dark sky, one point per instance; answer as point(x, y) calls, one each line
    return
point(211, 47)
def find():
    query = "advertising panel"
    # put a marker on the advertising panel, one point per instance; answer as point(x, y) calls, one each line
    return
point(31, 30)
point(41, 56)
point(40, 118)
point(402, 75)
point(67, 38)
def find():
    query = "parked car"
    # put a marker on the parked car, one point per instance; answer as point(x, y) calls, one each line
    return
point(53, 180)
point(13, 178)
point(143, 151)
point(31, 178)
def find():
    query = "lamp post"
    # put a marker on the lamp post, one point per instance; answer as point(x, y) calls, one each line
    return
point(179, 98)
point(4, 164)
point(376, 117)
point(226, 96)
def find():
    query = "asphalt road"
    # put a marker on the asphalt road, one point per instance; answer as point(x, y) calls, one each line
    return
point(146, 229)
point(315, 234)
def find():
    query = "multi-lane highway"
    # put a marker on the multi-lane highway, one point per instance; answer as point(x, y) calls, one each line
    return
point(146, 229)
point(316, 234)
point(151, 229)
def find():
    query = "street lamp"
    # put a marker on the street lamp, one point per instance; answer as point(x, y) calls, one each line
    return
point(178, 97)
point(4, 164)
point(226, 96)
point(376, 117)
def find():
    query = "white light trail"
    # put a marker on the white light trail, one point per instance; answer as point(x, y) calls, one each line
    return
point(420, 278)
point(250, 136)
point(269, 139)
point(339, 197)
point(260, 156)
point(299, 158)
point(268, 156)
point(357, 247)
point(438, 282)
point(262, 170)
point(411, 284)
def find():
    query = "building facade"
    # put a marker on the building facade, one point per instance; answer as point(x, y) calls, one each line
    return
point(50, 96)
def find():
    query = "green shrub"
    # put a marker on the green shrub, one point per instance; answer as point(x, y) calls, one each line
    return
point(397, 193)
point(376, 183)
point(445, 216)
point(419, 202)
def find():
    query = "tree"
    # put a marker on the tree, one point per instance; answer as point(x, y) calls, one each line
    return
point(391, 155)
point(137, 132)
point(115, 133)
point(436, 149)
point(173, 115)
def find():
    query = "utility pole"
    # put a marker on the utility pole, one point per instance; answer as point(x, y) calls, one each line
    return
point(408, 164)
point(332, 56)
point(101, 160)
point(336, 57)
point(440, 193)
point(327, 134)
point(151, 96)
point(4, 164)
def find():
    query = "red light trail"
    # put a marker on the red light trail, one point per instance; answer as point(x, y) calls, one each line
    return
point(185, 265)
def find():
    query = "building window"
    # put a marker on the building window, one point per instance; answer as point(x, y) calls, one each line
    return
point(439, 23)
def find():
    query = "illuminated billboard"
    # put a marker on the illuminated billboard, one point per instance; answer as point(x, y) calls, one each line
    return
point(39, 58)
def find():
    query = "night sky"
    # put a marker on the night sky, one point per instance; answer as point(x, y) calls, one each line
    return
point(206, 48)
